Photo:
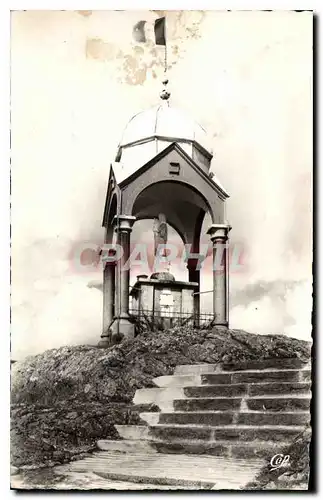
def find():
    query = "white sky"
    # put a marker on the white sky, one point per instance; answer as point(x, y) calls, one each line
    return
point(76, 79)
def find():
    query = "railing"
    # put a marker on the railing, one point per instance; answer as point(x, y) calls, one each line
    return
point(161, 320)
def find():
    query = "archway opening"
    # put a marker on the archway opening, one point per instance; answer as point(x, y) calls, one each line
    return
point(142, 251)
point(181, 203)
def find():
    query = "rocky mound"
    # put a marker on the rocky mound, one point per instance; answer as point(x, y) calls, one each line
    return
point(64, 400)
point(295, 476)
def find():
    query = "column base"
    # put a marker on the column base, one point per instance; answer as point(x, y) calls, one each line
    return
point(224, 324)
point(106, 337)
point(104, 343)
point(122, 328)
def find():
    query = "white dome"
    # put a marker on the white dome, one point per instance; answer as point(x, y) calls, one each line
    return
point(164, 121)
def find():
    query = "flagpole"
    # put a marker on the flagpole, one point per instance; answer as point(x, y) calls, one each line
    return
point(165, 30)
point(165, 95)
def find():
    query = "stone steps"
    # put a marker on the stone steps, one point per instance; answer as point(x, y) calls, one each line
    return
point(224, 432)
point(82, 480)
point(252, 389)
point(165, 397)
point(229, 417)
point(267, 364)
point(254, 449)
point(274, 403)
point(133, 432)
point(290, 375)
point(242, 414)
point(211, 404)
point(192, 471)
point(207, 404)
point(230, 449)
point(257, 376)
point(280, 388)
point(126, 446)
point(168, 432)
point(162, 397)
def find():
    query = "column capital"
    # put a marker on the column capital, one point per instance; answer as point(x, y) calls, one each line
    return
point(109, 261)
point(124, 222)
point(219, 231)
point(193, 262)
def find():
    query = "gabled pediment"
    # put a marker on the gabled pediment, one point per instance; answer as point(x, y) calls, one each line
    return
point(111, 189)
point(173, 167)
point(211, 181)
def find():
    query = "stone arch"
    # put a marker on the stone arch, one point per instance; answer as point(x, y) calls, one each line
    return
point(183, 200)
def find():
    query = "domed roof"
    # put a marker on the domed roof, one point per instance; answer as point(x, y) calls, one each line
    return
point(164, 121)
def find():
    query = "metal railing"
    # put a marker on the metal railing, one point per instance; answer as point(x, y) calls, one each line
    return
point(161, 320)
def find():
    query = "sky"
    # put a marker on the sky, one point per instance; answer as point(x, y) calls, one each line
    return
point(76, 79)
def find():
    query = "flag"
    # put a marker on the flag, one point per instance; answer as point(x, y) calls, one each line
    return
point(138, 32)
point(159, 28)
point(142, 31)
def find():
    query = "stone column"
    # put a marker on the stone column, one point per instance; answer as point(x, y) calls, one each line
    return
point(194, 276)
point(108, 297)
point(219, 238)
point(123, 326)
point(117, 280)
point(125, 231)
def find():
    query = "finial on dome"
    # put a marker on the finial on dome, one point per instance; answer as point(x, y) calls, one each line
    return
point(165, 95)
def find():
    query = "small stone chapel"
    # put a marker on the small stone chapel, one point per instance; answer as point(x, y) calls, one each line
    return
point(162, 172)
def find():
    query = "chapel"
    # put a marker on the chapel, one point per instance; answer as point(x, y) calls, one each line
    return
point(162, 172)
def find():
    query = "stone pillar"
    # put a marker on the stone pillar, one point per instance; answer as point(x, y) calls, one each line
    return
point(219, 238)
point(108, 294)
point(117, 281)
point(122, 325)
point(194, 276)
point(108, 297)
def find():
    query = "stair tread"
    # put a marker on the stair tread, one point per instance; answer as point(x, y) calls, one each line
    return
point(243, 384)
point(211, 426)
point(176, 457)
point(255, 442)
point(229, 372)
point(235, 412)
point(243, 396)
point(220, 369)
point(230, 426)
point(137, 426)
point(205, 470)
point(281, 396)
